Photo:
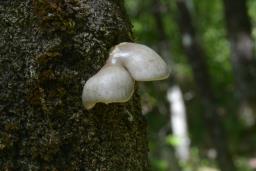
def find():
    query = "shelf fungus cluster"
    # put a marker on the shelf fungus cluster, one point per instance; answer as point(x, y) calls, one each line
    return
point(127, 63)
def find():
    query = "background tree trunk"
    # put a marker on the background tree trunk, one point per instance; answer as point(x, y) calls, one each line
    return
point(48, 49)
point(239, 29)
point(196, 57)
point(175, 116)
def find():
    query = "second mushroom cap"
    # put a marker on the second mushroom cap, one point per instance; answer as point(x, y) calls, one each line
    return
point(111, 84)
point(143, 63)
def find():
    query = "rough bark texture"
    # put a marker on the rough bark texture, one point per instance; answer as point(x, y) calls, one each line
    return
point(196, 57)
point(48, 49)
point(239, 30)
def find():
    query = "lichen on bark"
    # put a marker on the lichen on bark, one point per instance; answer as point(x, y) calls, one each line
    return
point(48, 49)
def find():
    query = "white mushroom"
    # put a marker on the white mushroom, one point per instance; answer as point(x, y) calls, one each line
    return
point(115, 81)
point(111, 84)
point(143, 63)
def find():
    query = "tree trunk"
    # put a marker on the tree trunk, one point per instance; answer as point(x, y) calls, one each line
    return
point(163, 45)
point(48, 49)
point(179, 123)
point(239, 29)
point(196, 57)
point(182, 150)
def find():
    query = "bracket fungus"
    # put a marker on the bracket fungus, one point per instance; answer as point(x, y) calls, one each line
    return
point(114, 82)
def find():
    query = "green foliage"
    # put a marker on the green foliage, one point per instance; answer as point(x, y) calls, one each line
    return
point(172, 140)
point(209, 20)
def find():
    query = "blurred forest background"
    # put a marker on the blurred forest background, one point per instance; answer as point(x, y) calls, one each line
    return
point(203, 117)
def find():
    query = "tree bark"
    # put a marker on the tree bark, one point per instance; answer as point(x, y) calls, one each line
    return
point(196, 57)
point(48, 49)
point(239, 29)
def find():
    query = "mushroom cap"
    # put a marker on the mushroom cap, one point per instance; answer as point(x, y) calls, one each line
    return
point(111, 84)
point(143, 63)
